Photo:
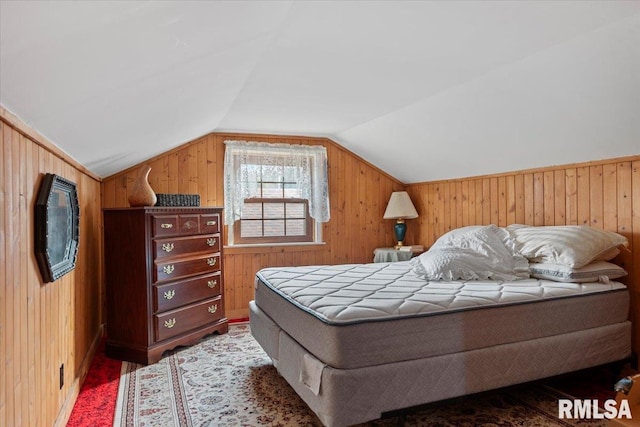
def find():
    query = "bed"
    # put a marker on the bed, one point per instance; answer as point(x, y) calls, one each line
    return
point(356, 341)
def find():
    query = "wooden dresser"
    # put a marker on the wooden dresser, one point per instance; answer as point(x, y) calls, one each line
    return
point(163, 271)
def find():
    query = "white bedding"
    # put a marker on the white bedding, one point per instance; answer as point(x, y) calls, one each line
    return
point(477, 252)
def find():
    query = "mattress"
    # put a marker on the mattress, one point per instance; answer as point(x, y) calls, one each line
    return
point(354, 316)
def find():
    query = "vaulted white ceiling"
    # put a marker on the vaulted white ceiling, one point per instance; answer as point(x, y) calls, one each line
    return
point(423, 90)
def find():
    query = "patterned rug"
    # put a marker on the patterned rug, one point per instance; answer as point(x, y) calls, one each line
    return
point(228, 380)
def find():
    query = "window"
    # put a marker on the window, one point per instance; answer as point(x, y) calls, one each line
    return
point(274, 193)
point(276, 215)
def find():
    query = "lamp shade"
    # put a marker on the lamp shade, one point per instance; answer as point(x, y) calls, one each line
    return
point(400, 206)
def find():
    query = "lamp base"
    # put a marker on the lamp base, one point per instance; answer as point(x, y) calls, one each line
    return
point(400, 229)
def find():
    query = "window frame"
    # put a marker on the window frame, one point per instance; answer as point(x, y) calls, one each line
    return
point(308, 237)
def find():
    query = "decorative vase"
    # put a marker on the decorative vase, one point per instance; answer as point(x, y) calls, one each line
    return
point(141, 193)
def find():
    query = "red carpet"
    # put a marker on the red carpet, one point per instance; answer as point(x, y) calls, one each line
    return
point(96, 402)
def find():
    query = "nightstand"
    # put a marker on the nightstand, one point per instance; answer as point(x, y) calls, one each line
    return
point(393, 255)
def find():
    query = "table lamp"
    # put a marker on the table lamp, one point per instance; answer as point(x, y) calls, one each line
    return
point(400, 208)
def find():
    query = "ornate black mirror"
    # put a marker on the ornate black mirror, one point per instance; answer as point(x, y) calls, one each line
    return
point(56, 228)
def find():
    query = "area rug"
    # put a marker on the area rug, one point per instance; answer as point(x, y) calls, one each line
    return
point(228, 380)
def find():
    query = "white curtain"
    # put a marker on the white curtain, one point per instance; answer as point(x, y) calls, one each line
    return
point(304, 164)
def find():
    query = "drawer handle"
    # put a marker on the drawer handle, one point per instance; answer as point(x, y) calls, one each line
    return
point(212, 283)
point(170, 323)
point(168, 269)
point(211, 222)
point(211, 241)
point(189, 225)
point(213, 308)
point(169, 294)
point(166, 225)
point(167, 247)
point(212, 261)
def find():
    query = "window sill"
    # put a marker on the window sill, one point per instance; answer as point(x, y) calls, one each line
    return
point(274, 247)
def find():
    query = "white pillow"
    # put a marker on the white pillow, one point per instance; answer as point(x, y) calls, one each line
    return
point(472, 253)
point(571, 245)
point(599, 271)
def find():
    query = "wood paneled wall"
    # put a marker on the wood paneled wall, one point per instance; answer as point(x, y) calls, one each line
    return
point(604, 194)
point(358, 196)
point(43, 325)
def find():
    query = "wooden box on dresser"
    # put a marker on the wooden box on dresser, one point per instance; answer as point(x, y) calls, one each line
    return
point(163, 272)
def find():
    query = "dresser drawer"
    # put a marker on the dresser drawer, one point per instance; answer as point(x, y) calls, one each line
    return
point(175, 322)
point(178, 246)
point(210, 223)
point(189, 224)
point(176, 294)
point(183, 267)
point(165, 225)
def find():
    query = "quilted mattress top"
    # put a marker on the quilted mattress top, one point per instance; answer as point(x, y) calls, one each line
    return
point(354, 293)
